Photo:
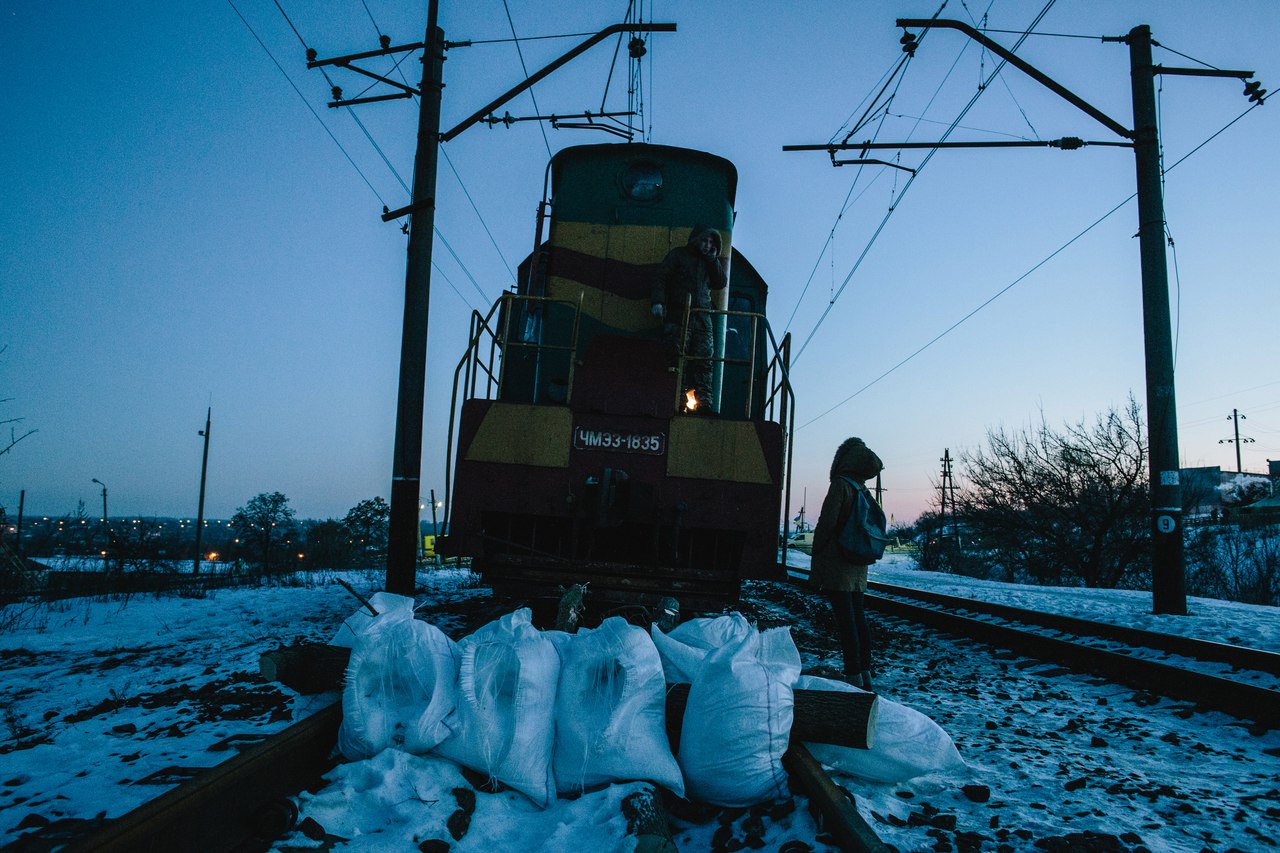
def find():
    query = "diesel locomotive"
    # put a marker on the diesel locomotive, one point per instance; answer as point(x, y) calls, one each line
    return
point(576, 452)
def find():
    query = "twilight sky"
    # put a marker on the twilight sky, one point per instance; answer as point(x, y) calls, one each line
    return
point(177, 229)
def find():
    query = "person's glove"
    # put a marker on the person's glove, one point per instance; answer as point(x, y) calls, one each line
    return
point(658, 311)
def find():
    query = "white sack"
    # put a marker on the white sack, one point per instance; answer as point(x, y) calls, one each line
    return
point(503, 724)
point(738, 721)
point(611, 710)
point(401, 681)
point(907, 744)
point(687, 646)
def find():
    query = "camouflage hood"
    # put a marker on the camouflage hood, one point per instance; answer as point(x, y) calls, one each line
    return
point(699, 230)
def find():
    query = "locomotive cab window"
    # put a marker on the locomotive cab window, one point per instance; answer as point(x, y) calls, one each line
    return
point(642, 181)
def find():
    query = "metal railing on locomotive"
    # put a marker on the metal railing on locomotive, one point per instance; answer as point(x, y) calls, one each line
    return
point(779, 404)
point(466, 375)
point(780, 400)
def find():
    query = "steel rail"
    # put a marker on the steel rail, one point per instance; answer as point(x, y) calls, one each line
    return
point(244, 803)
point(1245, 701)
point(1205, 650)
point(240, 804)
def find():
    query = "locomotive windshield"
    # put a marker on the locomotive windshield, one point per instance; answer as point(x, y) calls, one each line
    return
point(642, 181)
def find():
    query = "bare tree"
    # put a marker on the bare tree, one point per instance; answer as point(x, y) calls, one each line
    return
point(264, 521)
point(14, 437)
point(1235, 563)
point(1063, 507)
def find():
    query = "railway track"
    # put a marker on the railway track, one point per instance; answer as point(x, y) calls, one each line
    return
point(246, 802)
point(1073, 649)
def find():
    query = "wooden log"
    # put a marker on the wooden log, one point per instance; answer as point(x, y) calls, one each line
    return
point(306, 667)
point(648, 822)
point(821, 716)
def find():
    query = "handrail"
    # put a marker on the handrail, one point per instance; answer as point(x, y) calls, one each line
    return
point(471, 364)
point(778, 406)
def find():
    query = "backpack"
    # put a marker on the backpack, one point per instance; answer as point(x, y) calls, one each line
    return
point(862, 538)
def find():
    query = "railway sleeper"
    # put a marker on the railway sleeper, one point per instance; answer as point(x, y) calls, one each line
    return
point(1246, 701)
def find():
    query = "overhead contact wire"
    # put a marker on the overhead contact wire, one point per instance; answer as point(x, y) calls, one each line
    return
point(1020, 278)
point(907, 186)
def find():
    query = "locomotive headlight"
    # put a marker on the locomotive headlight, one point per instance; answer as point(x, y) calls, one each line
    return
point(642, 181)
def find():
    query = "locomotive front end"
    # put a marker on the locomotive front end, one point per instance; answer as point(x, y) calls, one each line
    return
point(581, 452)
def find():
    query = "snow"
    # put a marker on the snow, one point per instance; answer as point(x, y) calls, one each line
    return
point(100, 694)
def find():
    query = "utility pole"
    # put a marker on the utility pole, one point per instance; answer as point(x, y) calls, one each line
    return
point(106, 528)
point(204, 468)
point(104, 508)
point(435, 528)
point(1168, 560)
point(1168, 583)
point(22, 503)
point(406, 469)
point(1237, 441)
point(948, 484)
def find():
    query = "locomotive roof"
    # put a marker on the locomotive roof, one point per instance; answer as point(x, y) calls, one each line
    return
point(631, 150)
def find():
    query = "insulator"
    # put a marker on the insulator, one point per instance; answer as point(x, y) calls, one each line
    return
point(311, 54)
point(636, 47)
point(1070, 143)
point(337, 93)
point(385, 41)
point(909, 43)
point(1254, 91)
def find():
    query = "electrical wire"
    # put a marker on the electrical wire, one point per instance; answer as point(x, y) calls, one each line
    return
point(1184, 56)
point(1020, 278)
point(479, 216)
point(371, 20)
point(390, 166)
point(921, 119)
point(527, 38)
point(1051, 35)
point(907, 186)
point(525, 68)
point(1168, 234)
point(844, 208)
point(989, 300)
point(881, 86)
point(470, 304)
point(305, 102)
point(454, 169)
point(1232, 394)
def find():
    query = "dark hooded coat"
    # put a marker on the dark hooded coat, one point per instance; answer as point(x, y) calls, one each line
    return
point(830, 570)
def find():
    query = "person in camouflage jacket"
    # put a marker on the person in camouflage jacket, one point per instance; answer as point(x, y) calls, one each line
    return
point(687, 276)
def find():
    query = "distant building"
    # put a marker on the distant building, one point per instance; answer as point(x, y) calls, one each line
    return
point(1201, 497)
point(1265, 511)
point(1209, 493)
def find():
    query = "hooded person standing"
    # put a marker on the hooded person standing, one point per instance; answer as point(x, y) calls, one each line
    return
point(843, 581)
point(688, 275)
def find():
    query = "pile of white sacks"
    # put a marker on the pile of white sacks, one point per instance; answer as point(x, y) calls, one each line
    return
point(546, 712)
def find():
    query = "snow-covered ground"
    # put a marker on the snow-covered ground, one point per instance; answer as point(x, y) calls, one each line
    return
point(97, 696)
point(1207, 618)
